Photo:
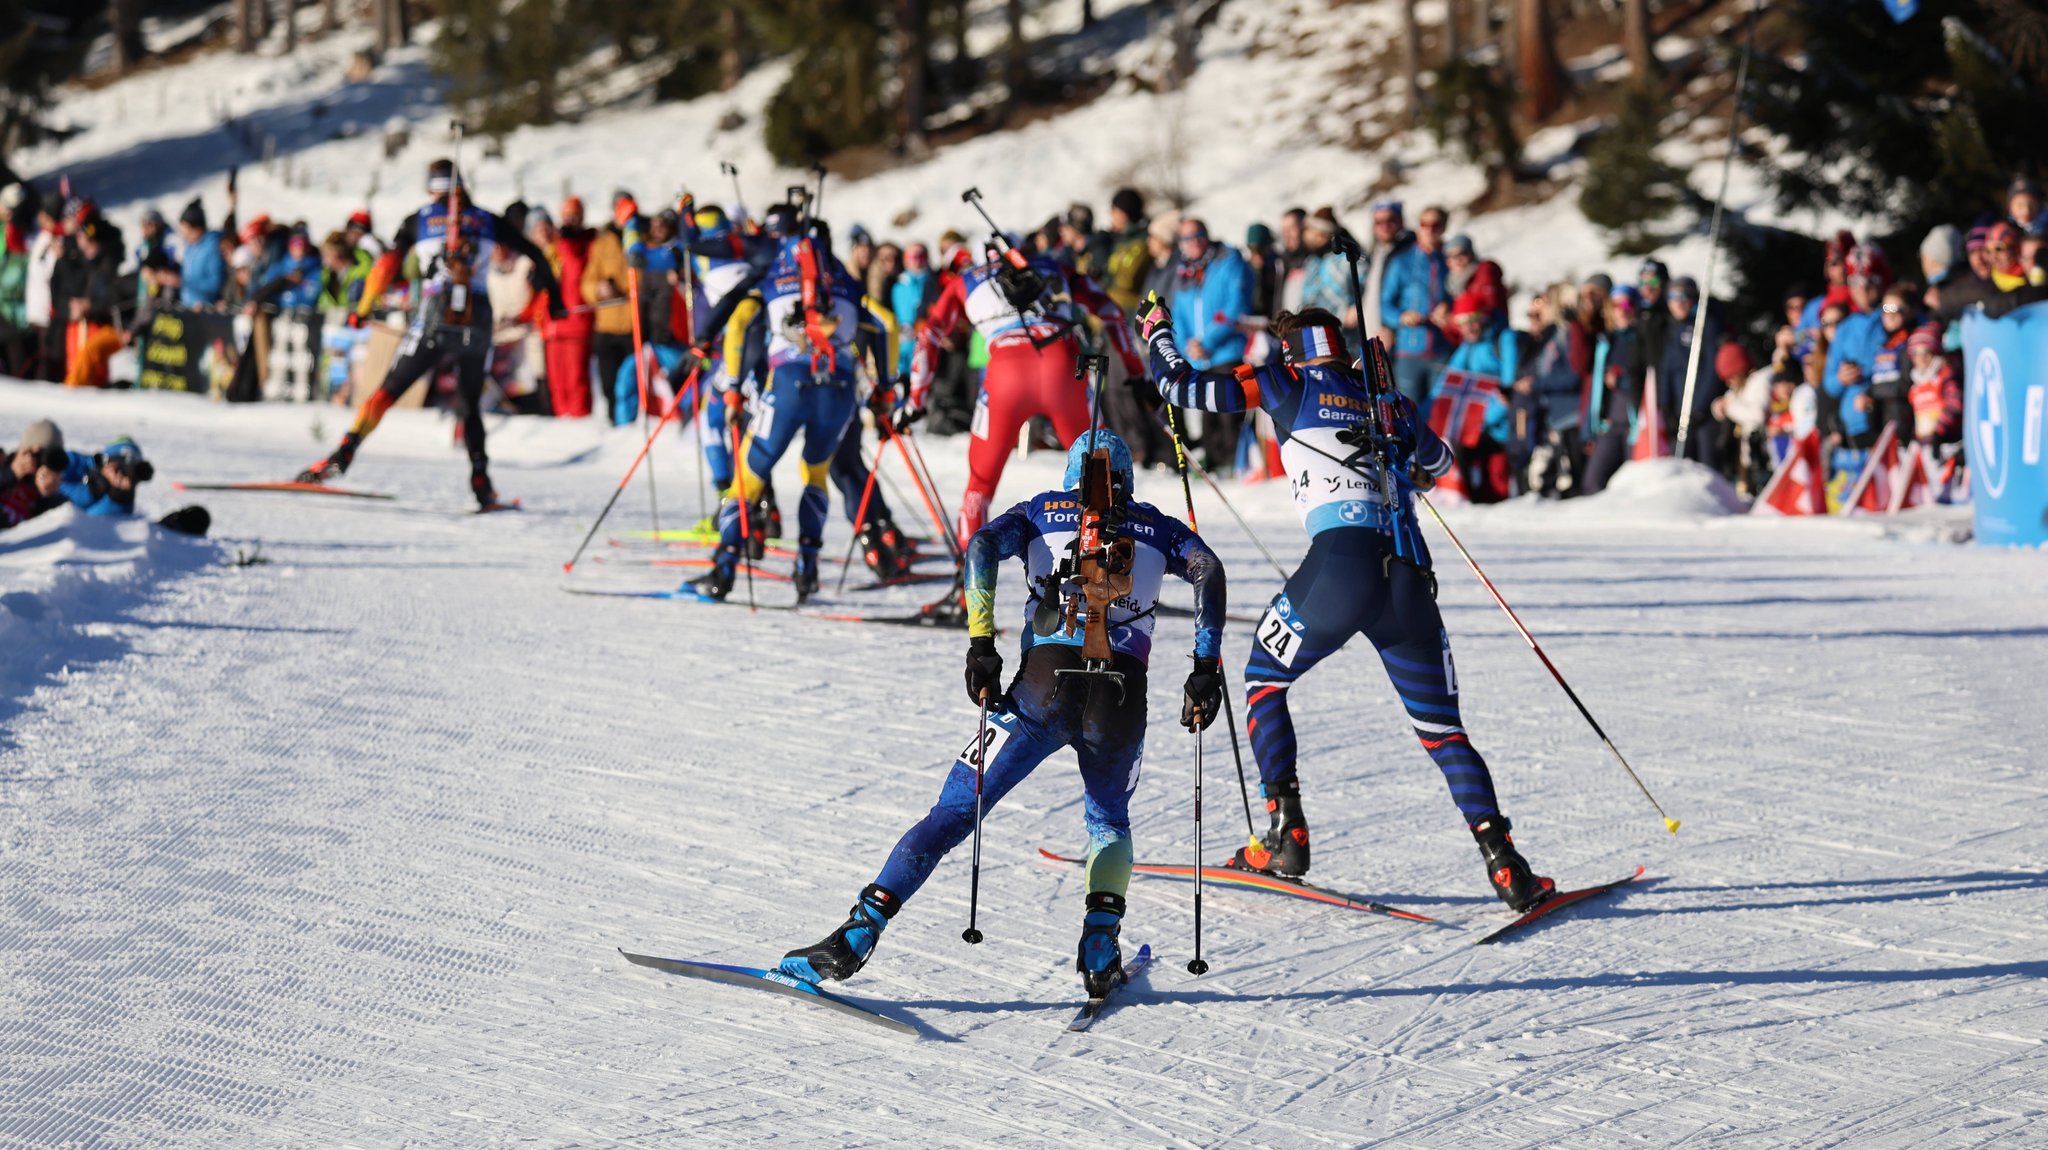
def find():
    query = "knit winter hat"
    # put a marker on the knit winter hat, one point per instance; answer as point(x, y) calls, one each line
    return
point(1731, 362)
point(1926, 337)
point(194, 215)
point(1129, 202)
point(1323, 222)
point(1467, 303)
point(1943, 245)
point(1974, 242)
point(1258, 236)
point(40, 435)
point(1601, 282)
point(1460, 243)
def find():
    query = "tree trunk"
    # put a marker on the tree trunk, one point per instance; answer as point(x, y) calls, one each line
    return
point(245, 25)
point(1636, 39)
point(1183, 41)
point(129, 49)
point(963, 60)
point(380, 19)
point(330, 15)
point(1013, 51)
point(913, 49)
point(1541, 75)
point(1411, 64)
point(1087, 14)
point(291, 26)
point(1454, 45)
point(732, 53)
point(1482, 23)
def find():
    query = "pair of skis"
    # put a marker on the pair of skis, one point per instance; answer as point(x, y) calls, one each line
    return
point(776, 982)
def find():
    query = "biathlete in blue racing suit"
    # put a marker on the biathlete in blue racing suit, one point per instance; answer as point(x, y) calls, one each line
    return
point(1366, 572)
point(1058, 699)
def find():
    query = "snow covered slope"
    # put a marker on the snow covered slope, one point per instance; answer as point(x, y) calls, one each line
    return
point(1270, 119)
point(335, 850)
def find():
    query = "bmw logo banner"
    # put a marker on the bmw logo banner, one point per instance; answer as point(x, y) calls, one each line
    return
point(2006, 384)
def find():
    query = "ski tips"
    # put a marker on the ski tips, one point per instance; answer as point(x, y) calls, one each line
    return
point(1671, 824)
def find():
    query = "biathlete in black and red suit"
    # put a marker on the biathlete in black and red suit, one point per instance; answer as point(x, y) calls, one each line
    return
point(452, 238)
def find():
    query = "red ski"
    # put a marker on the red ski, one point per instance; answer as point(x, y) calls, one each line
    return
point(1260, 880)
point(289, 485)
point(1556, 902)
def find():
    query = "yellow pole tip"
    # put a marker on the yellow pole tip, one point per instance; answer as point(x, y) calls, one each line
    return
point(1671, 825)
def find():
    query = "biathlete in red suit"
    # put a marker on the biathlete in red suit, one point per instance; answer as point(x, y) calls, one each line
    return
point(1028, 315)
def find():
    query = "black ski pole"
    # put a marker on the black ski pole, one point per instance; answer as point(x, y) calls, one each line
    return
point(818, 203)
point(972, 936)
point(1196, 966)
point(1180, 460)
point(733, 171)
point(1244, 790)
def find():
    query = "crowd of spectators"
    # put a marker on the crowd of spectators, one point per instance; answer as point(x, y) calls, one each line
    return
point(1589, 375)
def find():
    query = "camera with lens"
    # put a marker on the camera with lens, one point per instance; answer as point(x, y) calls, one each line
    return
point(54, 458)
point(129, 468)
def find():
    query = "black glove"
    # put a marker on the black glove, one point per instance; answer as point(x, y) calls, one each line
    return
point(984, 673)
point(1202, 696)
point(556, 308)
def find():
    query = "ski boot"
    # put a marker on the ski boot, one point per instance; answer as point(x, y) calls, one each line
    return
point(766, 520)
point(879, 543)
point(806, 579)
point(716, 583)
point(334, 466)
point(1512, 879)
point(846, 950)
point(1100, 960)
point(480, 486)
point(1285, 843)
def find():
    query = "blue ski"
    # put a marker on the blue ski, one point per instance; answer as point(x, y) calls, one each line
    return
point(769, 980)
point(1093, 1008)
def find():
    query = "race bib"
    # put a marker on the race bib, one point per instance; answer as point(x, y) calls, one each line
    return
point(988, 740)
point(1279, 633)
point(979, 427)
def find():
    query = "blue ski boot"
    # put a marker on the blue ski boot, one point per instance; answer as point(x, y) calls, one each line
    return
point(1101, 961)
point(846, 950)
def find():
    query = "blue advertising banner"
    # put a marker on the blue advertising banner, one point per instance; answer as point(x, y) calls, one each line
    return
point(2006, 361)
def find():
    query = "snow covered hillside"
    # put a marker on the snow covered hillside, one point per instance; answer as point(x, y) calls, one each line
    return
point(336, 849)
point(1271, 118)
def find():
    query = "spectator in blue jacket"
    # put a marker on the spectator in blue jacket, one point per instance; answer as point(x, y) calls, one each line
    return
point(1212, 292)
point(202, 271)
point(104, 485)
point(1416, 281)
point(910, 297)
point(293, 281)
point(1487, 349)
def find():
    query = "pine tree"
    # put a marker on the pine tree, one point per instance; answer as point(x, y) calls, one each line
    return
point(833, 98)
point(506, 62)
point(1627, 189)
point(1912, 124)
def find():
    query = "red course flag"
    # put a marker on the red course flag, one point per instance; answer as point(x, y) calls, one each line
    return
point(1800, 485)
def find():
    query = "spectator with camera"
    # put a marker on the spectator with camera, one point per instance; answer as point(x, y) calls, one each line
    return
point(33, 479)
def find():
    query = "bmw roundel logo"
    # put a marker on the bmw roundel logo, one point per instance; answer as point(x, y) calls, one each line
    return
point(1990, 427)
point(1353, 511)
